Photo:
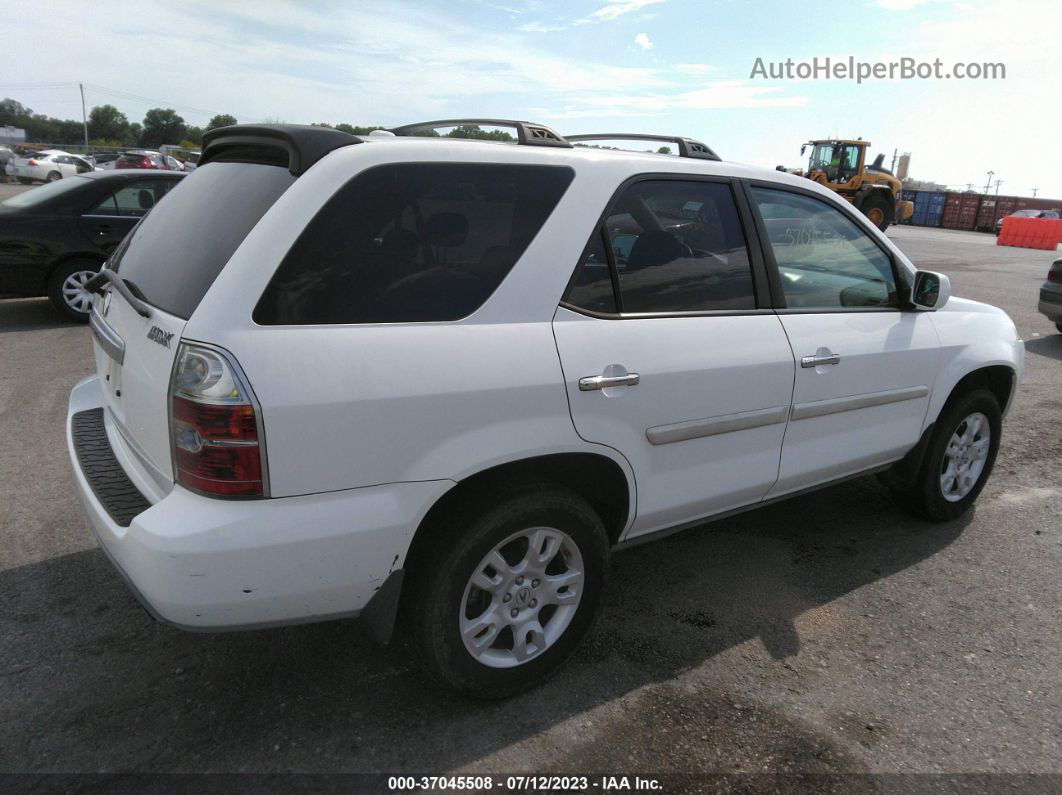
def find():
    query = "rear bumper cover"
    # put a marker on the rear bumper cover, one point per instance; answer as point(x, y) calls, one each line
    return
point(1051, 301)
point(210, 564)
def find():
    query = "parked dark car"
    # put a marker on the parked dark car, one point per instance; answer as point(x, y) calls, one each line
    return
point(55, 237)
point(1051, 295)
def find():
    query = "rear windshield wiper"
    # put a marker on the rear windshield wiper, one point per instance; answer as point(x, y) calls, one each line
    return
point(98, 283)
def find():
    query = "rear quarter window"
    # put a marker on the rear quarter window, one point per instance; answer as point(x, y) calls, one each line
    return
point(178, 249)
point(412, 242)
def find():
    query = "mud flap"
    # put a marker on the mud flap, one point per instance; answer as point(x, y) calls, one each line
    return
point(378, 617)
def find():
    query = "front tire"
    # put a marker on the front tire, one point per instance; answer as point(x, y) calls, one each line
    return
point(880, 210)
point(54, 176)
point(66, 289)
point(959, 458)
point(506, 595)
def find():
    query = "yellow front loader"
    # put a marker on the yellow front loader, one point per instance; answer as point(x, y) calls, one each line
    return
point(840, 165)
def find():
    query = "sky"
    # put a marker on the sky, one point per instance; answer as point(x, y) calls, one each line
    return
point(678, 67)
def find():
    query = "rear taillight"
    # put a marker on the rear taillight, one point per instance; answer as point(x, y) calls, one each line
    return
point(1055, 274)
point(32, 163)
point(214, 426)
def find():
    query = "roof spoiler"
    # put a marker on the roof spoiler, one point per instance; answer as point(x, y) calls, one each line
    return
point(295, 146)
point(528, 133)
point(687, 147)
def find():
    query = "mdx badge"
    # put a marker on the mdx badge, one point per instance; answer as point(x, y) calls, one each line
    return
point(161, 337)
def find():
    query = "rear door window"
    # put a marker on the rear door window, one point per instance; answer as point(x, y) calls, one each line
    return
point(134, 199)
point(411, 242)
point(673, 246)
point(173, 256)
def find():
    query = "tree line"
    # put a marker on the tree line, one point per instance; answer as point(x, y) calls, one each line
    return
point(108, 127)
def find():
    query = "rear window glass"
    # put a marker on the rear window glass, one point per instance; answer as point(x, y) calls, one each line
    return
point(176, 252)
point(412, 242)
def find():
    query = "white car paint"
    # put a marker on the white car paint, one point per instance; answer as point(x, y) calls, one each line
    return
point(367, 426)
point(41, 165)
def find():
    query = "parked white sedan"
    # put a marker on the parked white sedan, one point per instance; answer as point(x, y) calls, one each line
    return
point(48, 166)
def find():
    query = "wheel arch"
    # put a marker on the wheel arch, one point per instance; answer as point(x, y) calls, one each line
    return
point(999, 379)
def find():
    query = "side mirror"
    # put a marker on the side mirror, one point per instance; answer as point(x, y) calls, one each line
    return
point(931, 290)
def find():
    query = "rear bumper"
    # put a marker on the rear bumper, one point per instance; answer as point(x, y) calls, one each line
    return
point(208, 564)
point(1051, 301)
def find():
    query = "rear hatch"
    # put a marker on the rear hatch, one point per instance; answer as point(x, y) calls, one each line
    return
point(170, 260)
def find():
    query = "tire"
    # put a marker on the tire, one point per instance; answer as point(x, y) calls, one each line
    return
point(62, 289)
point(54, 176)
point(444, 606)
point(960, 420)
point(879, 207)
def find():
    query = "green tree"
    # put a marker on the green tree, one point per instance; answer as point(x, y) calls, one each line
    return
point(221, 120)
point(195, 136)
point(475, 131)
point(664, 150)
point(161, 126)
point(106, 121)
point(133, 136)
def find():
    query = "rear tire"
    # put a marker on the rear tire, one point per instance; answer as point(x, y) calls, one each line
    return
point(467, 616)
point(880, 210)
point(959, 457)
point(54, 176)
point(65, 291)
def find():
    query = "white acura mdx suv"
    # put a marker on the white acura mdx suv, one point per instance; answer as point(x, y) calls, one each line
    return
point(434, 381)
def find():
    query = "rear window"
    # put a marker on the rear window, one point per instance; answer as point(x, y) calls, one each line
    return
point(176, 252)
point(412, 242)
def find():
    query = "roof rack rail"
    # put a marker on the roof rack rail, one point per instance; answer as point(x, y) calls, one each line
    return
point(687, 147)
point(527, 133)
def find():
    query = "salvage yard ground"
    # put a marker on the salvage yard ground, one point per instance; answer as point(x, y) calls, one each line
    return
point(830, 633)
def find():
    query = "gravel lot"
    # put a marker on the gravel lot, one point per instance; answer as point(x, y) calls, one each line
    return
point(830, 634)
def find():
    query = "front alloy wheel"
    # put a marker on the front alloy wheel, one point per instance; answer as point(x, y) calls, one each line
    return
point(959, 457)
point(965, 456)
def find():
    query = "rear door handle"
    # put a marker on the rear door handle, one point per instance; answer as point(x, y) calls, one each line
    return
point(592, 382)
point(820, 359)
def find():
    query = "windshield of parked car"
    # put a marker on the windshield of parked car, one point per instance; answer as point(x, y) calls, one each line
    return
point(45, 193)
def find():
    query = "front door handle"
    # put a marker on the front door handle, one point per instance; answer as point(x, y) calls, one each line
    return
point(592, 382)
point(820, 359)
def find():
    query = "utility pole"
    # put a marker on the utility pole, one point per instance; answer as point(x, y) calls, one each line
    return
point(998, 183)
point(988, 185)
point(1034, 190)
point(84, 118)
point(895, 152)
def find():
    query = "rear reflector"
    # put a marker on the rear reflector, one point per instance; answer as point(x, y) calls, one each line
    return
point(214, 426)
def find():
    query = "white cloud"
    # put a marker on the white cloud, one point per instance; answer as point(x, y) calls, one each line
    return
point(901, 5)
point(643, 42)
point(540, 27)
point(616, 8)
